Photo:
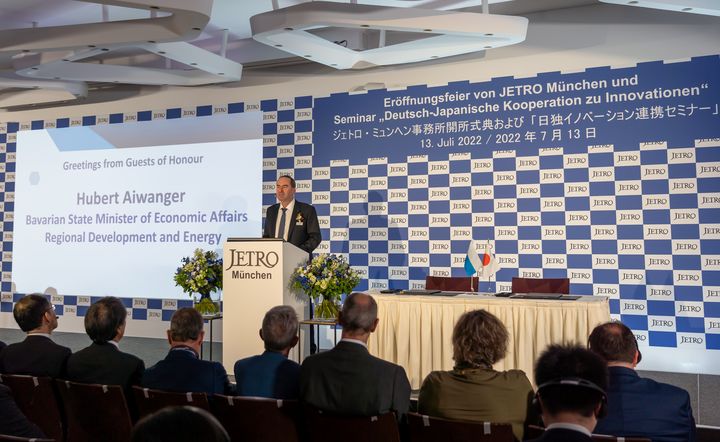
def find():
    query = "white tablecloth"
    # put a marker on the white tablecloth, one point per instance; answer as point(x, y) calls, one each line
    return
point(415, 332)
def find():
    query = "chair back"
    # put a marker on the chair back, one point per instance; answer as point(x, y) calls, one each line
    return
point(452, 284)
point(5, 437)
point(95, 412)
point(427, 429)
point(534, 432)
point(325, 427)
point(603, 438)
point(254, 419)
point(149, 401)
point(36, 398)
point(541, 285)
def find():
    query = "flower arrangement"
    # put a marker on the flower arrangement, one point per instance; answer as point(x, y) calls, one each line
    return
point(201, 273)
point(327, 277)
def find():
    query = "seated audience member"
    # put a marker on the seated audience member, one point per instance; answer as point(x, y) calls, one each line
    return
point(473, 391)
point(103, 362)
point(571, 384)
point(37, 355)
point(12, 421)
point(272, 374)
point(180, 424)
point(638, 407)
point(182, 369)
point(2, 345)
point(347, 379)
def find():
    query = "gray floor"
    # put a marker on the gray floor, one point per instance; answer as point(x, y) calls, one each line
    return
point(704, 389)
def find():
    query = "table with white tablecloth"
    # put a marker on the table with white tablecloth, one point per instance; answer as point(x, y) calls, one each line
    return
point(415, 332)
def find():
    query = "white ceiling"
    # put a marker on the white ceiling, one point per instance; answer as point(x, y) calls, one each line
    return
point(82, 67)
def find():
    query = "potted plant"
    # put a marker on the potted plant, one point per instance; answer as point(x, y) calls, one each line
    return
point(325, 279)
point(201, 274)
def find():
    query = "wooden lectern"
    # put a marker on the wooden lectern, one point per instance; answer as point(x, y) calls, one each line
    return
point(256, 277)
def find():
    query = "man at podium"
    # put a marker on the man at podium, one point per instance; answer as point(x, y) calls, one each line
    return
point(297, 222)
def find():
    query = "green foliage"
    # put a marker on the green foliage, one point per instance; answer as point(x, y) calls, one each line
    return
point(200, 273)
point(329, 276)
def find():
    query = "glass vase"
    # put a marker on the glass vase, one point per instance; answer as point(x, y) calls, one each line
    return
point(206, 306)
point(327, 308)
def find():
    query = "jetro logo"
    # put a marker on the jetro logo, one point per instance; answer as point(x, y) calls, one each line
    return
point(252, 258)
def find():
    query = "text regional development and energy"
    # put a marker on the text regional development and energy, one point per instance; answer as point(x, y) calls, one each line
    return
point(131, 238)
point(215, 216)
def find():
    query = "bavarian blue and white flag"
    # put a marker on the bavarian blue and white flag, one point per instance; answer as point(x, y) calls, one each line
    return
point(473, 263)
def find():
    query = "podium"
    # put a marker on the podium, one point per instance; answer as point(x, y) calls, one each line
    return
point(256, 277)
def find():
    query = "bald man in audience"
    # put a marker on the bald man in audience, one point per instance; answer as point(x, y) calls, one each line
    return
point(37, 355)
point(348, 380)
point(638, 407)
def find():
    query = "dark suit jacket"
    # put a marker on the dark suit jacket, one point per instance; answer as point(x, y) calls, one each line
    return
point(348, 380)
point(642, 407)
point(270, 374)
point(562, 435)
point(12, 421)
point(183, 371)
point(105, 364)
point(35, 356)
point(2, 345)
point(304, 230)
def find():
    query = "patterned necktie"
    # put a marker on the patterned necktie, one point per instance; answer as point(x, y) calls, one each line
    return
point(281, 230)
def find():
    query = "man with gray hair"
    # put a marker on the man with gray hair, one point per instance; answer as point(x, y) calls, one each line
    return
point(272, 374)
point(348, 380)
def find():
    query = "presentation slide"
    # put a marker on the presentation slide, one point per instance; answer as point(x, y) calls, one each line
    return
point(111, 209)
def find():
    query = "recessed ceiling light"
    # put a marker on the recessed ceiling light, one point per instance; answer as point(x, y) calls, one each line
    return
point(686, 9)
point(161, 52)
point(278, 46)
point(91, 46)
point(427, 30)
point(193, 64)
point(154, 7)
point(489, 35)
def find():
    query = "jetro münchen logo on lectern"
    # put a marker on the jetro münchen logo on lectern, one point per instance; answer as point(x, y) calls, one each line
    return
point(252, 258)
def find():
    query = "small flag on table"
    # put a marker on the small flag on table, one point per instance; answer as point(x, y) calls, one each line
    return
point(473, 263)
point(489, 263)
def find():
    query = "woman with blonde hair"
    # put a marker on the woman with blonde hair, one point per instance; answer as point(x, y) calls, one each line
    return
point(473, 391)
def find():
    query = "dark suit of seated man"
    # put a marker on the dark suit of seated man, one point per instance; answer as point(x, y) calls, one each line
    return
point(348, 379)
point(182, 369)
point(638, 407)
point(37, 355)
point(103, 362)
point(572, 382)
point(272, 374)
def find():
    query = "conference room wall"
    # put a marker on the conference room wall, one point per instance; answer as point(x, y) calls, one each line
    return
point(564, 40)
